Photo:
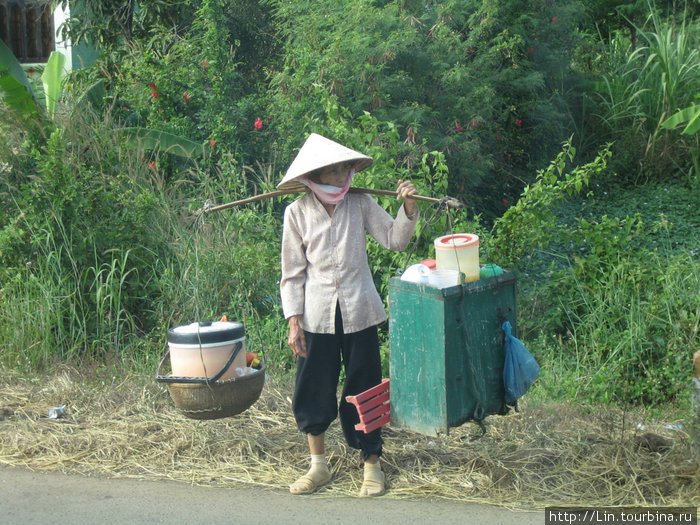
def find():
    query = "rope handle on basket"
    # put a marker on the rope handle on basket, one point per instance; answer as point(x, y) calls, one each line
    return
point(197, 380)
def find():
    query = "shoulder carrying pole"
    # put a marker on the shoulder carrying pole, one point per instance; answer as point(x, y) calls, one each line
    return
point(449, 202)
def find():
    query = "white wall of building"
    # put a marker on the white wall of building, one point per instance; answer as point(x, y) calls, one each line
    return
point(63, 46)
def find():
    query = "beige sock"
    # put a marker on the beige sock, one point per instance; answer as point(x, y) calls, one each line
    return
point(319, 468)
point(317, 476)
point(374, 480)
point(372, 468)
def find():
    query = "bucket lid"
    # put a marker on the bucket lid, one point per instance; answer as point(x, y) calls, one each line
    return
point(456, 240)
point(206, 333)
point(430, 263)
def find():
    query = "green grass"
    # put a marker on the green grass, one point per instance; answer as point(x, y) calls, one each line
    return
point(613, 309)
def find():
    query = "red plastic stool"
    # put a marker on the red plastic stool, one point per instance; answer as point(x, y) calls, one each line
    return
point(372, 406)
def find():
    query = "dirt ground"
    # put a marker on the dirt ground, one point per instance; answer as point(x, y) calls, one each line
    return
point(51, 497)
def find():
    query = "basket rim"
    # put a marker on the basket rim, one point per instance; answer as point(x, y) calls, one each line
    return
point(188, 380)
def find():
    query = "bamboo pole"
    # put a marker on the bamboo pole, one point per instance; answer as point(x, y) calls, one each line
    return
point(255, 198)
point(450, 202)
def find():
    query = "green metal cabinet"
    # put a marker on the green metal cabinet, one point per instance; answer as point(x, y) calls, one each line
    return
point(447, 353)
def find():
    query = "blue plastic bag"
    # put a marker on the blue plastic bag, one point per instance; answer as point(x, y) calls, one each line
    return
point(520, 369)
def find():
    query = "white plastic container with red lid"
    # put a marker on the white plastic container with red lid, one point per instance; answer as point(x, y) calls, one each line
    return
point(458, 251)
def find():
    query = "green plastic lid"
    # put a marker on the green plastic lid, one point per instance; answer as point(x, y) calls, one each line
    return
point(490, 270)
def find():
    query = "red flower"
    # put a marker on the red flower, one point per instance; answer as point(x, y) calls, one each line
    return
point(258, 124)
point(152, 164)
point(530, 49)
point(459, 128)
point(155, 94)
point(125, 108)
point(31, 70)
point(206, 65)
point(554, 19)
point(187, 97)
point(212, 142)
point(152, 86)
point(518, 121)
point(504, 201)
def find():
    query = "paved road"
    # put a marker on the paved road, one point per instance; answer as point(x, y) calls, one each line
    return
point(28, 498)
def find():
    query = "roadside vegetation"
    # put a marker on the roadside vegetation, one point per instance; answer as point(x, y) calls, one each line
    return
point(570, 129)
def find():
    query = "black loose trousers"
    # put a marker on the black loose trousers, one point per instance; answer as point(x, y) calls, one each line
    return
point(315, 402)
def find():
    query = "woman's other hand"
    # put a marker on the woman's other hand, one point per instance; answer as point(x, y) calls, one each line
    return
point(296, 338)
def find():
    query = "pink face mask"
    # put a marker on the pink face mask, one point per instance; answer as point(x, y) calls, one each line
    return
point(329, 194)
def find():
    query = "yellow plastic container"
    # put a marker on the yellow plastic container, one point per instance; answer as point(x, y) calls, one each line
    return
point(458, 251)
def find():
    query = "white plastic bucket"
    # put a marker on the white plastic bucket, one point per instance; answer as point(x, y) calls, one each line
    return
point(203, 349)
point(443, 278)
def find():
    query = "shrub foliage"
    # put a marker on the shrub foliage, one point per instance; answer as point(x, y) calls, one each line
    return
point(549, 120)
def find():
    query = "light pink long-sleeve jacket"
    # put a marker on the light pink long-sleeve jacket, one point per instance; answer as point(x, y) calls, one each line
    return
point(324, 260)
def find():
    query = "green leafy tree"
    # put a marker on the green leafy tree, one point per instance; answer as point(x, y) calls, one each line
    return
point(204, 80)
point(483, 82)
point(114, 24)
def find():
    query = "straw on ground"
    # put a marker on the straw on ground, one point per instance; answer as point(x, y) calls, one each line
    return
point(548, 454)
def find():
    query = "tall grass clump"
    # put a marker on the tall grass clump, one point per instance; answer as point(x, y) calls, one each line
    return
point(74, 247)
point(631, 335)
point(53, 312)
point(643, 86)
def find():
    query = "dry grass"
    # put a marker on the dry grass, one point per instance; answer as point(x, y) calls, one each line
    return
point(546, 455)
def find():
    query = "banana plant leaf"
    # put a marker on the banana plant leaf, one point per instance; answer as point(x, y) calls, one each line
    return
point(15, 89)
point(146, 138)
point(691, 115)
point(52, 78)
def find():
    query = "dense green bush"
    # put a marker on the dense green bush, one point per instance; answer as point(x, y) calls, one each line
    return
point(76, 245)
point(616, 293)
point(630, 326)
point(100, 256)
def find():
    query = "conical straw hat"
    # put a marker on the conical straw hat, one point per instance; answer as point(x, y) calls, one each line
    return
point(319, 152)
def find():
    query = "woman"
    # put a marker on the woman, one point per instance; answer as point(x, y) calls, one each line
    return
point(330, 301)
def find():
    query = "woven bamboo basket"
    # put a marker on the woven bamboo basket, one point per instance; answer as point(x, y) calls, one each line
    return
point(218, 399)
point(209, 397)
